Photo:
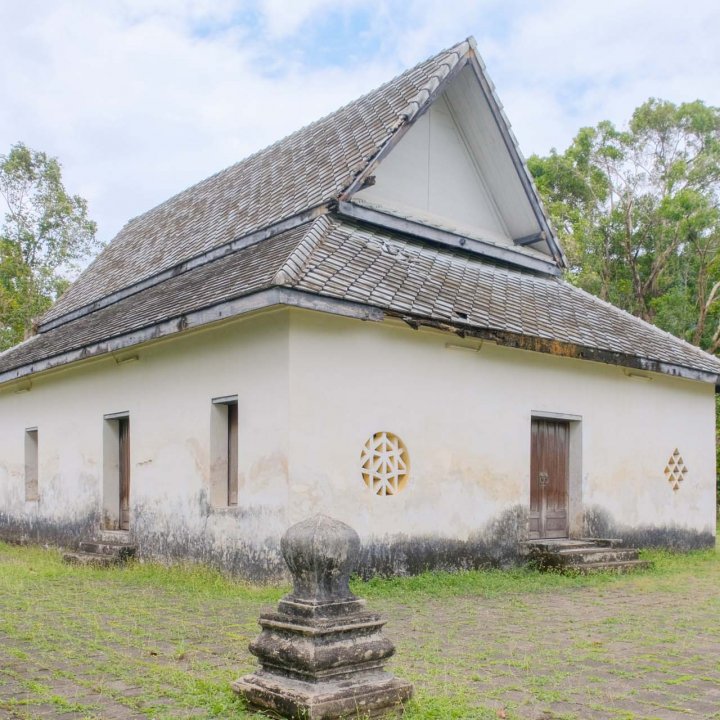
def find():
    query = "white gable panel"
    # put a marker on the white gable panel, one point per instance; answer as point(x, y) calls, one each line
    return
point(454, 169)
point(492, 155)
point(431, 175)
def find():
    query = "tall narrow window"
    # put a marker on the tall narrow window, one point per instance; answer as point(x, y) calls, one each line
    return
point(31, 464)
point(224, 452)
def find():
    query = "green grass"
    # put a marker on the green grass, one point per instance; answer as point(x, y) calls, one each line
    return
point(165, 641)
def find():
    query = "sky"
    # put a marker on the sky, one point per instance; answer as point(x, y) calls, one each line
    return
point(141, 98)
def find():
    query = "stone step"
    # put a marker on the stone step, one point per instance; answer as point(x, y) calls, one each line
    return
point(619, 567)
point(552, 546)
point(115, 536)
point(548, 551)
point(123, 551)
point(581, 556)
point(91, 559)
point(604, 542)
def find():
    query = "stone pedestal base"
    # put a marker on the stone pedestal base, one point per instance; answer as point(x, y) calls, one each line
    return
point(373, 695)
point(321, 653)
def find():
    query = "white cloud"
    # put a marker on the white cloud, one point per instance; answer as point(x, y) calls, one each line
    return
point(283, 18)
point(140, 98)
point(583, 62)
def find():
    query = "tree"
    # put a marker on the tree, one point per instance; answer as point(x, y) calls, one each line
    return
point(45, 238)
point(639, 213)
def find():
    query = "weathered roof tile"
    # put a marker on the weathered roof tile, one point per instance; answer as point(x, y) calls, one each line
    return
point(258, 191)
point(389, 272)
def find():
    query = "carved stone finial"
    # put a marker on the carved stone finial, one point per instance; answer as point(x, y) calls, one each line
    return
point(321, 653)
point(321, 552)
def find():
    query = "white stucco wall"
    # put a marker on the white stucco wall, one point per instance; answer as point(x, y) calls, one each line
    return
point(465, 418)
point(311, 389)
point(168, 394)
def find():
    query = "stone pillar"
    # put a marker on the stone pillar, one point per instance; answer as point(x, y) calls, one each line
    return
point(321, 653)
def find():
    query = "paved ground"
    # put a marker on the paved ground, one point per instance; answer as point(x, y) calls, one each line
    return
point(95, 645)
point(619, 652)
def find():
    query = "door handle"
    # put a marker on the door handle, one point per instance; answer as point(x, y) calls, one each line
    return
point(543, 479)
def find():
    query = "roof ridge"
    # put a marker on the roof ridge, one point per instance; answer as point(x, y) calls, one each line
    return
point(290, 271)
point(454, 55)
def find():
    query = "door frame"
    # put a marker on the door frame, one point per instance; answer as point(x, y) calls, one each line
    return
point(576, 519)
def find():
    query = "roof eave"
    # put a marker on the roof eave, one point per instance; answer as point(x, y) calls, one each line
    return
point(202, 318)
point(559, 348)
point(289, 297)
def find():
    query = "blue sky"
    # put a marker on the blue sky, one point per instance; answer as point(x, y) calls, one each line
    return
point(141, 98)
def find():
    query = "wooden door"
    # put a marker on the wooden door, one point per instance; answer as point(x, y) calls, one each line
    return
point(124, 470)
point(549, 479)
point(232, 454)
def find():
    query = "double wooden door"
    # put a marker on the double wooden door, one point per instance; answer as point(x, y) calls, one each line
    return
point(549, 479)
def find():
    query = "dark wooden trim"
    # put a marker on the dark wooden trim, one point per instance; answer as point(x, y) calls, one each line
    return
point(562, 349)
point(508, 254)
point(232, 453)
point(531, 239)
point(124, 471)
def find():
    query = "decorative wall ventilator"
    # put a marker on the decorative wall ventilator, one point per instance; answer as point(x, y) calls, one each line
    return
point(385, 463)
point(675, 470)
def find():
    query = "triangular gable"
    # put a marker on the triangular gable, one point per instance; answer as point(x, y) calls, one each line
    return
point(456, 166)
point(318, 169)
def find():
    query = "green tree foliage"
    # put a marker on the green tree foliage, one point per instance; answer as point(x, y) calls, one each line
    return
point(638, 211)
point(45, 238)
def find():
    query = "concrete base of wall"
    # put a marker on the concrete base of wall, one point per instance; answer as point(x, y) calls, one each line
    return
point(498, 544)
point(598, 522)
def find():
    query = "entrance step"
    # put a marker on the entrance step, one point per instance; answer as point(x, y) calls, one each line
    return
point(93, 559)
point(115, 536)
point(123, 551)
point(113, 548)
point(584, 556)
point(619, 567)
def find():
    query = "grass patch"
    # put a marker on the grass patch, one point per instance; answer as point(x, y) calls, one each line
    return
point(166, 642)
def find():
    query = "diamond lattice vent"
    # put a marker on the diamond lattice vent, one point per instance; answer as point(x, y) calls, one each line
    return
point(675, 470)
point(385, 464)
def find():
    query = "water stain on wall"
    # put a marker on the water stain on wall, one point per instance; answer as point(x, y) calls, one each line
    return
point(598, 522)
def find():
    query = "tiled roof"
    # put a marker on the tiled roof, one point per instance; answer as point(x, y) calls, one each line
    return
point(339, 260)
point(190, 261)
point(375, 267)
point(241, 273)
point(304, 170)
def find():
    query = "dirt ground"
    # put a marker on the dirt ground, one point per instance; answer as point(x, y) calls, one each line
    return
point(120, 645)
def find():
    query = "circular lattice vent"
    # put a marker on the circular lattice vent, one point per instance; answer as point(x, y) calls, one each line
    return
point(385, 464)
